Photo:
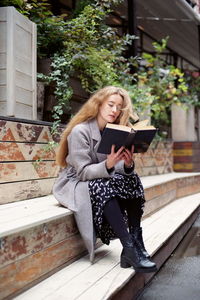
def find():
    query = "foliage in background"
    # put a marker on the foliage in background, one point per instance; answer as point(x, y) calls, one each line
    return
point(83, 46)
point(92, 52)
point(50, 28)
point(160, 85)
point(193, 95)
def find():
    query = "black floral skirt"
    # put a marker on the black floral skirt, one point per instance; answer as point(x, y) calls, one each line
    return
point(120, 187)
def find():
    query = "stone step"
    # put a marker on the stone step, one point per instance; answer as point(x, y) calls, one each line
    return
point(104, 279)
point(38, 236)
point(162, 189)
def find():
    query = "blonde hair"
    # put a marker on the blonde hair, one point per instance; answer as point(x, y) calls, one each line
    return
point(90, 110)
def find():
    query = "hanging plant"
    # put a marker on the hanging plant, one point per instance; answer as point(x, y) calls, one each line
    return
point(92, 52)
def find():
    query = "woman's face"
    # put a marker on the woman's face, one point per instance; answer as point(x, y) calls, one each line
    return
point(110, 110)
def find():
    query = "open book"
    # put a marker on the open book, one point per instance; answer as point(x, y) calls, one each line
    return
point(140, 135)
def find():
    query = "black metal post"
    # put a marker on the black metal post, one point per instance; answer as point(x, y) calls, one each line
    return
point(141, 41)
point(197, 110)
point(175, 63)
point(73, 4)
point(132, 26)
point(175, 56)
point(132, 30)
point(198, 26)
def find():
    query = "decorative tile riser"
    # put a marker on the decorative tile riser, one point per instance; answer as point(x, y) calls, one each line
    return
point(187, 167)
point(25, 152)
point(23, 141)
point(11, 172)
point(186, 156)
point(24, 132)
point(148, 171)
point(157, 160)
point(27, 165)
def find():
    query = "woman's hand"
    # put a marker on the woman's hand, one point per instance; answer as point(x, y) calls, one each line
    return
point(128, 157)
point(114, 157)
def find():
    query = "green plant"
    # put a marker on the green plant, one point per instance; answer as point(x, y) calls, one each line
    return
point(17, 3)
point(83, 46)
point(159, 85)
point(193, 83)
point(93, 52)
point(50, 28)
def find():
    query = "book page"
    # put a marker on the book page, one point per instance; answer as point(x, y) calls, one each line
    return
point(142, 125)
point(118, 127)
point(144, 128)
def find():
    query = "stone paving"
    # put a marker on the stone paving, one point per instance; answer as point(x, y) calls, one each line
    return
point(179, 278)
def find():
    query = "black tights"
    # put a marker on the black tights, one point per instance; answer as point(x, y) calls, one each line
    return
point(114, 217)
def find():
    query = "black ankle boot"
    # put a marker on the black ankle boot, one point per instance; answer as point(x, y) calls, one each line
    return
point(136, 233)
point(130, 256)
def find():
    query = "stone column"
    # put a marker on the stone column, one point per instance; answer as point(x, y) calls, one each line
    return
point(186, 147)
point(183, 124)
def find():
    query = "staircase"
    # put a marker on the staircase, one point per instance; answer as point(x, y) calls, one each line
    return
point(42, 255)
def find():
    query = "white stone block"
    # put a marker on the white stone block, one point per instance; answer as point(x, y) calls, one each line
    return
point(2, 36)
point(17, 65)
point(23, 96)
point(3, 76)
point(183, 124)
point(23, 111)
point(2, 61)
point(198, 123)
point(2, 93)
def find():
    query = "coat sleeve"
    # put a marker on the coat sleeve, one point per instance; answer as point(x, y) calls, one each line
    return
point(119, 168)
point(80, 148)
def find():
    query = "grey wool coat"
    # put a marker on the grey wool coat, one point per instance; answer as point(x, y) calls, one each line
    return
point(83, 164)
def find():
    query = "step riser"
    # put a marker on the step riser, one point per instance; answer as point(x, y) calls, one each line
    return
point(188, 186)
point(33, 250)
point(136, 284)
point(27, 256)
point(25, 271)
point(28, 242)
point(104, 278)
point(162, 194)
point(157, 202)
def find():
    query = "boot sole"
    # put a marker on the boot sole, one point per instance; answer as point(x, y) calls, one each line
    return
point(126, 265)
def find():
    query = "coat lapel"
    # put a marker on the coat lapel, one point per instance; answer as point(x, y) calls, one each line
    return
point(96, 136)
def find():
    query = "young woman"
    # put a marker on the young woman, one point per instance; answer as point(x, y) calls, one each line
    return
point(103, 191)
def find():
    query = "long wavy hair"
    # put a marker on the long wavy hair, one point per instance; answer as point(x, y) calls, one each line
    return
point(90, 110)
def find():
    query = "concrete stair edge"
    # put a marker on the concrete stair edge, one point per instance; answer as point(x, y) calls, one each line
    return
point(72, 236)
point(147, 182)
